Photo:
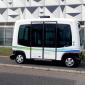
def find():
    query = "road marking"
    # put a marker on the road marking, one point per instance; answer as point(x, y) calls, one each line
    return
point(43, 68)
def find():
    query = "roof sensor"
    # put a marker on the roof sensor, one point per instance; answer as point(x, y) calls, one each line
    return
point(44, 16)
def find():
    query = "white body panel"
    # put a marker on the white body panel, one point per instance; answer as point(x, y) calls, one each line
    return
point(36, 52)
point(49, 53)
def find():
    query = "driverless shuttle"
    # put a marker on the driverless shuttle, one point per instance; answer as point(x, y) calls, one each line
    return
point(47, 39)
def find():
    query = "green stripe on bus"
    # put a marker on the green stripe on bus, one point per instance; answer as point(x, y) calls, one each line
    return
point(26, 48)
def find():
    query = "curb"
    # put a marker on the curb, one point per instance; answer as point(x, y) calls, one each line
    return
point(4, 56)
point(43, 68)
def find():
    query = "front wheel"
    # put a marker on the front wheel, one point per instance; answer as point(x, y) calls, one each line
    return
point(20, 59)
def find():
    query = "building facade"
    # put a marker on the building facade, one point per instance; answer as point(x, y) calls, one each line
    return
point(12, 10)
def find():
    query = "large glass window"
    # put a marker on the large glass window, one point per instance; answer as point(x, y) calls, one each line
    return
point(45, 34)
point(8, 36)
point(24, 35)
point(81, 32)
point(64, 37)
point(49, 35)
point(2, 36)
point(37, 35)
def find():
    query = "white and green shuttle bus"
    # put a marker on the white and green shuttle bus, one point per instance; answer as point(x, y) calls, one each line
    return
point(47, 39)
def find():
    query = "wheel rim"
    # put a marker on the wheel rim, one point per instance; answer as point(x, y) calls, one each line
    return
point(69, 62)
point(19, 59)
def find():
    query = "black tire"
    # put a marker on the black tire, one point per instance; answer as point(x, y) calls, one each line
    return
point(20, 58)
point(70, 62)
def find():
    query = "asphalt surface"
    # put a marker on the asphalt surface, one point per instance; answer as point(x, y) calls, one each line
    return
point(20, 79)
point(25, 76)
point(42, 64)
point(13, 75)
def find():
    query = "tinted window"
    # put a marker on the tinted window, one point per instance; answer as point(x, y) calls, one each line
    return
point(64, 37)
point(45, 35)
point(24, 35)
point(49, 35)
point(37, 35)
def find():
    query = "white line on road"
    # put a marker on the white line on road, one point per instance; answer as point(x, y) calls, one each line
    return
point(43, 68)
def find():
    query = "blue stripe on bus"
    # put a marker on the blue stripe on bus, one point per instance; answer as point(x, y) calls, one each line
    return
point(72, 51)
point(63, 50)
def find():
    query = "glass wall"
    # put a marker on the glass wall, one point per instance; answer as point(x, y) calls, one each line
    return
point(6, 34)
point(1, 36)
point(82, 37)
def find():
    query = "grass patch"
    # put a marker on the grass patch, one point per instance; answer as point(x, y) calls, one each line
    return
point(4, 51)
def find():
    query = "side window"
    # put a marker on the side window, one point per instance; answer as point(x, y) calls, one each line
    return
point(24, 35)
point(37, 35)
point(64, 37)
point(49, 35)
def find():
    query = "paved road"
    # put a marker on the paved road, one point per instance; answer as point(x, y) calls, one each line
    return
point(6, 60)
point(25, 76)
point(13, 79)
point(10, 75)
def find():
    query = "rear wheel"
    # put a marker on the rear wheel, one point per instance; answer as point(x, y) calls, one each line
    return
point(20, 58)
point(71, 62)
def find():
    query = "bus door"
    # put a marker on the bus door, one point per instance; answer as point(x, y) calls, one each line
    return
point(36, 39)
point(64, 39)
point(50, 38)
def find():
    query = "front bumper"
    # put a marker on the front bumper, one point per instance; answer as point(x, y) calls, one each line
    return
point(12, 57)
